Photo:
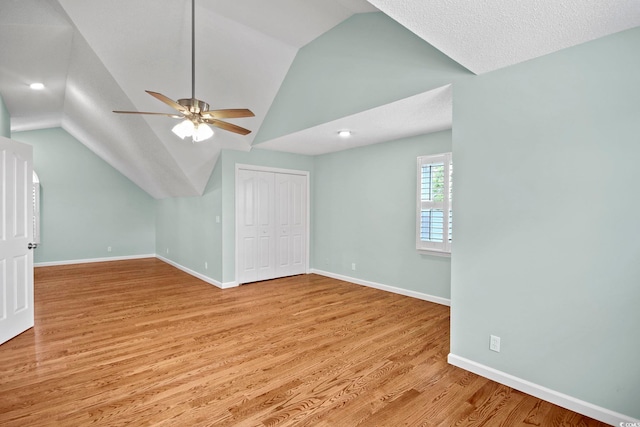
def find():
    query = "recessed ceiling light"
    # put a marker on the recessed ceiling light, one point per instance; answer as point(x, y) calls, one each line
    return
point(344, 133)
point(36, 86)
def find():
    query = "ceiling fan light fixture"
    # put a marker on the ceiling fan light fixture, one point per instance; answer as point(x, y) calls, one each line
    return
point(184, 129)
point(197, 131)
point(201, 132)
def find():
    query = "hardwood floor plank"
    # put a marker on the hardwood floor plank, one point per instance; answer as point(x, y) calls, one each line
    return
point(142, 343)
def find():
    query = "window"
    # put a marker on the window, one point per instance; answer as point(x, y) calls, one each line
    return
point(434, 215)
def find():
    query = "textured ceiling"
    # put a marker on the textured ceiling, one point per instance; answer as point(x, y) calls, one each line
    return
point(95, 57)
point(490, 34)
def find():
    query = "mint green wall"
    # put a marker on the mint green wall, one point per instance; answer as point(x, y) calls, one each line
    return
point(187, 228)
point(254, 157)
point(365, 213)
point(5, 120)
point(364, 62)
point(547, 231)
point(86, 205)
point(352, 193)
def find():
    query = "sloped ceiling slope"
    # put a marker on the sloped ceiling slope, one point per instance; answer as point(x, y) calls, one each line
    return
point(35, 42)
point(95, 57)
point(347, 72)
point(147, 46)
point(426, 112)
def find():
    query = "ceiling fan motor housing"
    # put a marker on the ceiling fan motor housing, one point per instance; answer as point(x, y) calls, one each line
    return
point(195, 106)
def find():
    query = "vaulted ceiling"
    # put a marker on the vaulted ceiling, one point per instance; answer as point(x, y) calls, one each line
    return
point(95, 57)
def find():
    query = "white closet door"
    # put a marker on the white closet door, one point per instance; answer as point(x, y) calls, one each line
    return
point(271, 220)
point(255, 226)
point(291, 217)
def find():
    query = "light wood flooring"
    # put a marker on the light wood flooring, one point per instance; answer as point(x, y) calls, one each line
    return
point(140, 343)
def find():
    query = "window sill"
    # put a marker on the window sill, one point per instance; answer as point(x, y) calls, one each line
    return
point(434, 253)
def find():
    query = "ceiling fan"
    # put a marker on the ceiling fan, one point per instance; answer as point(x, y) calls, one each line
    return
point(196, 114)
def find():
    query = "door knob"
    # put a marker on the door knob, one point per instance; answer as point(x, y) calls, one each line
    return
point(32, 245)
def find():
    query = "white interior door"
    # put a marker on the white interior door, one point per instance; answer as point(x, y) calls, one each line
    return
point(255, 193)
point(291, 217)
point(16, 258)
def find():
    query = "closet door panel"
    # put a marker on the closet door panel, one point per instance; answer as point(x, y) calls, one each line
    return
point(256, 251)
point(265, 213)
point(292, 204)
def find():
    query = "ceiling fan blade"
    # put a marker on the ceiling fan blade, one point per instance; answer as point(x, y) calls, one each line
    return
point(171, 103)
point(227, 126)
point(230, 113)
point(175, 116)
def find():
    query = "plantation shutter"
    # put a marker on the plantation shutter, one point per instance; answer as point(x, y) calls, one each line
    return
point(434, 216)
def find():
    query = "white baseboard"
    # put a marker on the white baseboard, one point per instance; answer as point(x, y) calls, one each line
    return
point(200, 276)
point(89, 260)
point(585, 408)
point(393, 289)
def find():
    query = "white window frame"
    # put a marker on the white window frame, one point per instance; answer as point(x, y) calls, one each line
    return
point(434, 248)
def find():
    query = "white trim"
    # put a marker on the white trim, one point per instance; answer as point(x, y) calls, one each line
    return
point(434, 252)
point(393, 289)
point(248, 167)
point(89, 260)
point(580, 406)
point(36, 208)
point(200, 276)
point(244, 166)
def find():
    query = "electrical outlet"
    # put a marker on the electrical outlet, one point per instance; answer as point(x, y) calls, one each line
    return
point(206, 265)
point(167, 250)
point(217, 218)
point(353, 266)
point(108, 248)
point(494, 344)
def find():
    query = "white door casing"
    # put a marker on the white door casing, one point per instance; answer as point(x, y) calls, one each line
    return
point(271, 223)
point(16, 233)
